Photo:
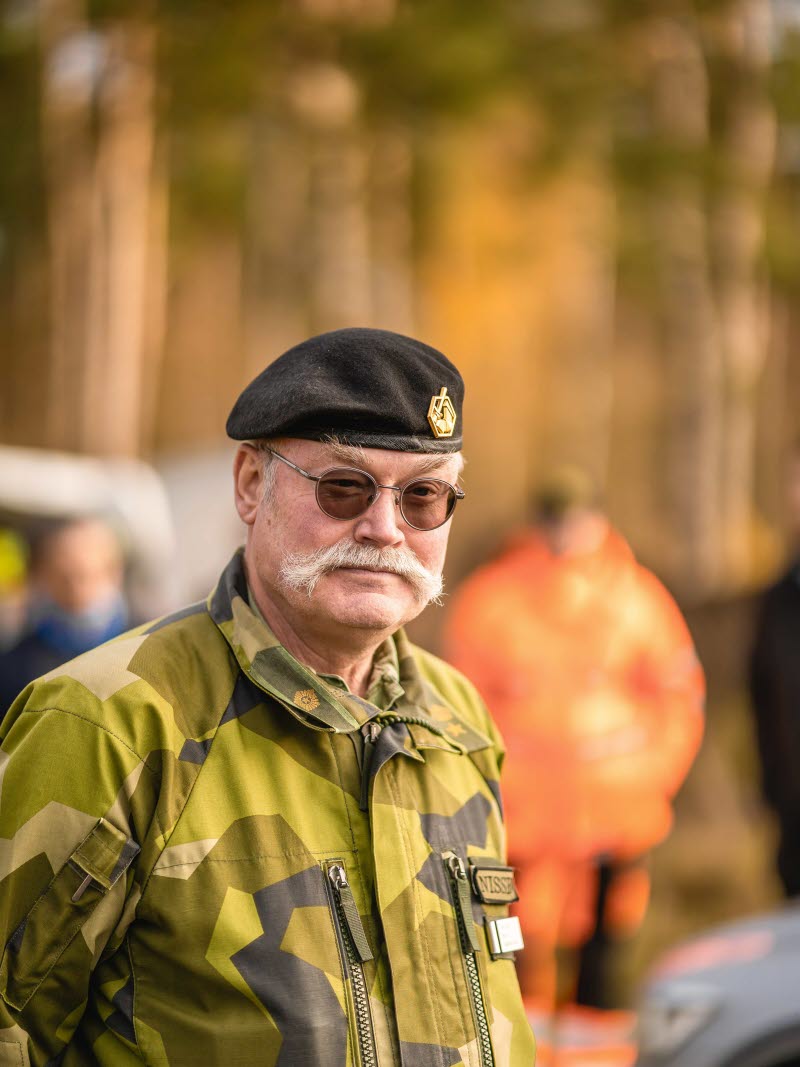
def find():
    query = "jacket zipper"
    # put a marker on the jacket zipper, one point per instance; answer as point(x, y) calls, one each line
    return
point(358, 951)
point(370, 731)
point(468, 936)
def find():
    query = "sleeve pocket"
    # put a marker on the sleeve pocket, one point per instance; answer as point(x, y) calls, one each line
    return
point(57, 916)
point(13, 1054)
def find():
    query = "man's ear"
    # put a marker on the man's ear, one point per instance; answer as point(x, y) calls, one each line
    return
point(248, 482)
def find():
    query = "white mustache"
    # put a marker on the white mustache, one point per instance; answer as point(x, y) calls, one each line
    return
point(301, 572)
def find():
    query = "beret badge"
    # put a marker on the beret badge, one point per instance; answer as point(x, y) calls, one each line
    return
point(442, 414)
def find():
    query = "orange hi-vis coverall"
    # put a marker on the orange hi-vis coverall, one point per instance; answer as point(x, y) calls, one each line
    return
point(589, 670)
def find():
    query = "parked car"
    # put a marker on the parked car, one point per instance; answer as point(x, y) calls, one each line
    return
point(730, 998)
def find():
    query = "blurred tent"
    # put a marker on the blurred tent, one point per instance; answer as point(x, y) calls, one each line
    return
point(199, 485)
point(38, 486)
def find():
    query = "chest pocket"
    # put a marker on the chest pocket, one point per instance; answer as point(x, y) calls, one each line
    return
point(52, 924)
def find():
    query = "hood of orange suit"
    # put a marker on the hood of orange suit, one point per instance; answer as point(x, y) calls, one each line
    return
point(563, 582)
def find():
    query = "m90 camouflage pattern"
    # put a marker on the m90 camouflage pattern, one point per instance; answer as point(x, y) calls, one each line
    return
point(188, 876)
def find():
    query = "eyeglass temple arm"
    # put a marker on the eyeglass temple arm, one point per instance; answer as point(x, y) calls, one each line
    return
point(288, 462)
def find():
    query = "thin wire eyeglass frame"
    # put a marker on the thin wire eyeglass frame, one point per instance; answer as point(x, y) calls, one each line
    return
point(398, 490)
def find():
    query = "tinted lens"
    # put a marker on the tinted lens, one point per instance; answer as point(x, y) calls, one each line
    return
point(345, 493)
point(427, 503)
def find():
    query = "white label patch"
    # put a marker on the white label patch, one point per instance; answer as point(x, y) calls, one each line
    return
point(505, 935)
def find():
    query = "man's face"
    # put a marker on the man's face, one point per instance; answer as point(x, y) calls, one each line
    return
point(290, 526)
point(81, 567)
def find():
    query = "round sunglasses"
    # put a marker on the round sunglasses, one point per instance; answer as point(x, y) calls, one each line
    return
point(347, 492)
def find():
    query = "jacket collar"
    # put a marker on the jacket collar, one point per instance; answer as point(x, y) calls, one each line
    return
point(313, 702)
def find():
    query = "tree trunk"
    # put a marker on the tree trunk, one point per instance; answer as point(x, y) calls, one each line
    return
point(69, 57)
point(339, 282)
point(391, 165)
point(100, 225)
point(276, 247)
point(155, 299)
point(737, 220)
point(579, 325)
point(308, 247)
point(689, 341)
point(115, 358)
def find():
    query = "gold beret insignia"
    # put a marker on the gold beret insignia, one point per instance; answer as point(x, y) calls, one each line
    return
point(442, 414)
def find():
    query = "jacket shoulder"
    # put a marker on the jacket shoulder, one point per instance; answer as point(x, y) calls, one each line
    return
point(455, 687)
point(177, 671)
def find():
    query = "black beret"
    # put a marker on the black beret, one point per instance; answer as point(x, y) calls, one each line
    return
point(365, 387)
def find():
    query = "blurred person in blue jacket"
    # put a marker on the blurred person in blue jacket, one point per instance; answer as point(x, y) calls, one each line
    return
point(76, 601)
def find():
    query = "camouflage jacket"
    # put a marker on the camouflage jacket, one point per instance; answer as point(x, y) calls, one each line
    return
point(189, 875)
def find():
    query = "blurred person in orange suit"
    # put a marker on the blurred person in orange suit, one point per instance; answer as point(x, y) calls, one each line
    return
point(588, 667)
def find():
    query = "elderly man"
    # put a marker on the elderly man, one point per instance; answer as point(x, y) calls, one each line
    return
point(266, 829)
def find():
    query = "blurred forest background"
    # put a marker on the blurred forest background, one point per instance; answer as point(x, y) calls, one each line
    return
point(592, 206)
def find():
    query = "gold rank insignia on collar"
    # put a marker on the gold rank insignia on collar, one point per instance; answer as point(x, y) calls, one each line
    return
point(442, 414)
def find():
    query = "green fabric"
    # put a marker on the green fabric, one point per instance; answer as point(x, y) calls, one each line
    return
point(384, 687)
point(231, 767)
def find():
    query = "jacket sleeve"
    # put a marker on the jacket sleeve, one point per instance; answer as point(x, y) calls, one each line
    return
point(67, 846)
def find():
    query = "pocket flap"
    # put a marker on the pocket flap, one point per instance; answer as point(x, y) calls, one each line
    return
point(105, 854)
point(51, 925)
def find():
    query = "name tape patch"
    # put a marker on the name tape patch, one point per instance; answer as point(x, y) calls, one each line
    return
point(493, 885)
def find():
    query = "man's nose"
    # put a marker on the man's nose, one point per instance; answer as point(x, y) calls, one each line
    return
point(381, 524)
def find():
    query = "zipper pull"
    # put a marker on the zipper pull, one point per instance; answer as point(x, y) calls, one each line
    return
point(463, 901)
point(370, 732)
point(349, 911)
